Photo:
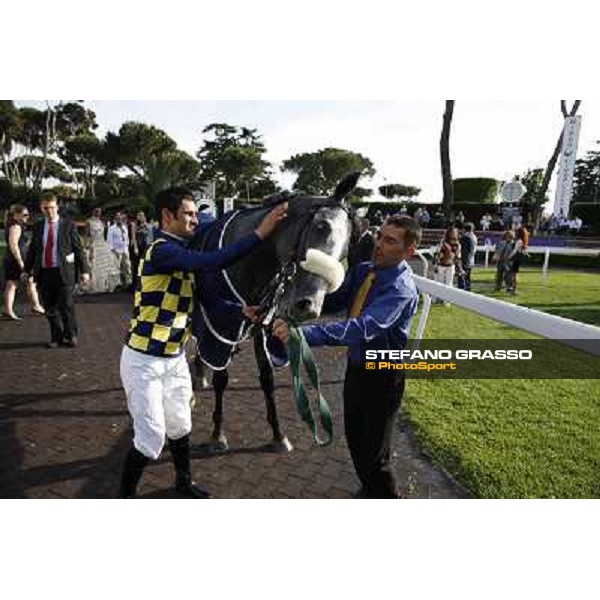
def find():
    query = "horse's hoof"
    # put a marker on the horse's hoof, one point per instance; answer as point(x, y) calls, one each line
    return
point(282, 446)
point(204, 383)
point(218, 444)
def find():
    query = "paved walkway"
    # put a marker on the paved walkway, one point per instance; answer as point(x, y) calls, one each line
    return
point(64, 427)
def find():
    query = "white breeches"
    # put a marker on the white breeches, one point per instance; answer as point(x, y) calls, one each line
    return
point(445, 275)
point(158, 392)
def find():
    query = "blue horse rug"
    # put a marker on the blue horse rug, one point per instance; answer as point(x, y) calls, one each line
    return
point(218, 323)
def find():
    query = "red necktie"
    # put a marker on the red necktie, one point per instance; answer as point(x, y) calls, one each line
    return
point(49, 250)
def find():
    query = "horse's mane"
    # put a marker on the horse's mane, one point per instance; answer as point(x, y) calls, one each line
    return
point(279, 197)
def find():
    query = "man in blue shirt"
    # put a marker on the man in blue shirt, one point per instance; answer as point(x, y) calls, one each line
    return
point(381, 299)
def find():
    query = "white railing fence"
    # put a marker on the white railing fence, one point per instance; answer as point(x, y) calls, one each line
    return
point(560, 329)
point(488, 250)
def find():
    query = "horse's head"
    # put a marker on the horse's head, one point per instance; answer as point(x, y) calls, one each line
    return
point(315, 239)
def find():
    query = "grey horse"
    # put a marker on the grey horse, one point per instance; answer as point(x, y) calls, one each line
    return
point(288, 276)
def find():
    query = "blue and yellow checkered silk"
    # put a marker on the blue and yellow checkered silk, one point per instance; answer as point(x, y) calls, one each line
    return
point(160, 324)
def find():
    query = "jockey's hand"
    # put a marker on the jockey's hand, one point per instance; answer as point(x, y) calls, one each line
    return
point(269, 223)
point(253, 313)
point(281, 330)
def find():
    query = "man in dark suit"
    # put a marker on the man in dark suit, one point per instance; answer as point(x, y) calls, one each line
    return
point(363, 250)
point(54, 260)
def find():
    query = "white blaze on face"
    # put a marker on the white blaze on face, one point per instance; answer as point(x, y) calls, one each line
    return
point(339, 233)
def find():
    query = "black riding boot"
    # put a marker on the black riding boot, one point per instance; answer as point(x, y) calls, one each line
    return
point(180, 451)
point(135, 462)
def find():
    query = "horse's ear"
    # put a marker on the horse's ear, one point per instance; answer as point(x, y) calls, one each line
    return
point(346, 185)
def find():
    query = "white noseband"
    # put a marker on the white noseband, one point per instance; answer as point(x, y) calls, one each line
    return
point(325, 266)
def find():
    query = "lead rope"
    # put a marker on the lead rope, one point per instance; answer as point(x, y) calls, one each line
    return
point(301, 354)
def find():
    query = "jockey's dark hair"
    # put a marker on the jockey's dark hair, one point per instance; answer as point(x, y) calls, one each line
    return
point(171, 199)
point(412, 230)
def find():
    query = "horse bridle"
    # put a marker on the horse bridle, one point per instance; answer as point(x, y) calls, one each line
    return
point(269, 303)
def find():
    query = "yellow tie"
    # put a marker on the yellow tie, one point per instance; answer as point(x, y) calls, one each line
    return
point(361, 295)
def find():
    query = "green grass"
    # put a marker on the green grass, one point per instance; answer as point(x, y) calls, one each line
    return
point(514, 438)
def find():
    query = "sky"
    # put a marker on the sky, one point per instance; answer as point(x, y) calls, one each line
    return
point(495, 139)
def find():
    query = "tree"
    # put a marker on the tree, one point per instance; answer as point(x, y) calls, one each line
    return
point(586, 179)
point(319, 172)
point(151, 156)
point(448, 198)
point(9, 127)
point(86, 155)
point(532, 180)
point(29, 137)
point(27, 169)
point(537, 208)
point(233, 157)
point(398, 190)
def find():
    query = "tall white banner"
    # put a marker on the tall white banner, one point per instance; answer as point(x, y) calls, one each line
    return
point(568, 156)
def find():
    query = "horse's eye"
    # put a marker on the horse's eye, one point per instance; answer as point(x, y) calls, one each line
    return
point(323, 227)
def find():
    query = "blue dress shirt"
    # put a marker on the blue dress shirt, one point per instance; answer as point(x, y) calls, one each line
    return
point(384, 322)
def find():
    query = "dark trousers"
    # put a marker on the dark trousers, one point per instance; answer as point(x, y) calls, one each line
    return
point(371, 403)
point(464, 280)
point(57, 298)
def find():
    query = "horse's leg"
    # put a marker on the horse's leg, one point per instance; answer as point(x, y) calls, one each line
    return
point(280, 442)
point(218, 441)
point(200, 372)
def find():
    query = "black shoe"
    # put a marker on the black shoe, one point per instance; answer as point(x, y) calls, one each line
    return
point(135, 462)
point(192, 490)
point(358, 494)
point(180, 451)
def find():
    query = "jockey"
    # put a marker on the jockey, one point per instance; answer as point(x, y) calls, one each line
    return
point(154, 371)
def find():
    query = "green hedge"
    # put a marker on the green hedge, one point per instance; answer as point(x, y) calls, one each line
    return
point(475, 190)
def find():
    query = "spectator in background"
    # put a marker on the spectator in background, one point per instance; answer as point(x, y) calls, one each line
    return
point(563, 224)
point(517, 221)
point(118, 242)
point(55, 259)
point(403, 210)
point(363, 249)
point(517, 257)
point(503, 250)
point(460, 219)
point(14, 262)
point(485, 222)
point(103, 265)
point(417, 214)
point(495, 223)
point(140, 239)
point(575, 225)
point(468, 248)
point(425, 217)
point(378, 218)
point(447, 259)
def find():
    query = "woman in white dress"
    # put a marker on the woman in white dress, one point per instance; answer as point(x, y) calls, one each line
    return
point(105, 272)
